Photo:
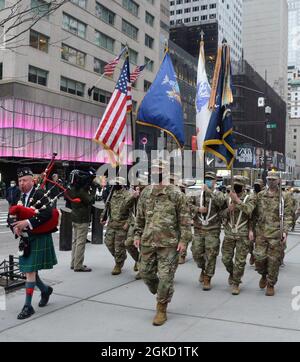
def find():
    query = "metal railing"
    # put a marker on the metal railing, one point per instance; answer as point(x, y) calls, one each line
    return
point(10, 275)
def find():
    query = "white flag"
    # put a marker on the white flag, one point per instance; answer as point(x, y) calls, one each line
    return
point(202, 99)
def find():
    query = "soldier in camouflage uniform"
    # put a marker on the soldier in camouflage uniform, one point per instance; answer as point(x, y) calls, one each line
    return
point(129, 244)
point(207, 228)
point(236, 217)
point(258, 186)
point(161, 217)
point(118, 223)
point(268, 244)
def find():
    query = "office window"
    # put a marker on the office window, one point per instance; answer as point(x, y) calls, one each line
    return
point(105, 14)
point(38, 41)
point(74, 26)
point(100, 95)
point(187, 10)
point(195, 18)
point(40, 8)
point(71, 86)
point(129, 29)
point(212, 6)
point(149, 41)
point(172, 3)
point(149, 64)
point(204, 17)
point(149, 19)
point(133, 55)
point(104, 41)
point(172, 12)
point(37, 75)
point(147, 85)
point(196, 8)
point(212, 16)
point(187, 20)
point(99, 66)
point(295, 137)
point(178, 2)
point(131, 6)
point(204, 7)
point(179, 11)
point(2, 4)
point(81, 3)
point(72, 55)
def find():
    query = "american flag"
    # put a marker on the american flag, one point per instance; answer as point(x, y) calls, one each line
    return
point(110, 67)
point(129, 98)
point(112, 129)
point(136, 73)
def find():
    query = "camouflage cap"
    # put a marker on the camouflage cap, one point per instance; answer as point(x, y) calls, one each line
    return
point(272, 175)
point(211, 175)
point(228, 187)
point(259, 182)
point(239, 180)
point(186, 182)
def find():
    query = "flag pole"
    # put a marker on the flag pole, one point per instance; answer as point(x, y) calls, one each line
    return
point(90, 90)
point(202, 149)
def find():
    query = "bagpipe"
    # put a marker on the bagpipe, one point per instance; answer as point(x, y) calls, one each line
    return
point(20, 212)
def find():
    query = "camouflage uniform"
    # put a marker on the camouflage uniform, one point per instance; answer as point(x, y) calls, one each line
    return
point(161, 217)
point(268, 243)
point(206, 241)
point(116, 232)
point(236, 241)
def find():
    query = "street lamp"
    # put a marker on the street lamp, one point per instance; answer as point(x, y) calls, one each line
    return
point(268, 111)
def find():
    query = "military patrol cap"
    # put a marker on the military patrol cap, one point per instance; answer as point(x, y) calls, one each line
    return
point(259, 182)
point(272, 175)
point(228, 188)
point(239, 180)
point(24, 171)
point(211, 175)
point(142, 180)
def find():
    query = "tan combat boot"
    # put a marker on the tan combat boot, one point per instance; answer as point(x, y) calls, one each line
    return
point(138, 276)
point(117, 269)
point(230, 281)
point(161, 314)
point(263, 282)
point(206, 283)
point(235, 289)
point(136, 267)
point(270, 290)
point(181, 260)
point(201, 277)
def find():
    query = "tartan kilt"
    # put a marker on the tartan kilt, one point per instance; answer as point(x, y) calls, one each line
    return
point(42, 254)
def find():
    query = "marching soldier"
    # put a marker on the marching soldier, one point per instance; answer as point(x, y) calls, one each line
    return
point(162, 216)
point(269, 236)
point(207, 228)
point(118, 223)
point(42, 254)
point(258, 186)
point(240, 206)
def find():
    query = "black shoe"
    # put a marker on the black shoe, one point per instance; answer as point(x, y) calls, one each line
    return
point(27, 312)
point(45, 297)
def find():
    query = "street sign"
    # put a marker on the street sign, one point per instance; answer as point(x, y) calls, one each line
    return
point(271, 125)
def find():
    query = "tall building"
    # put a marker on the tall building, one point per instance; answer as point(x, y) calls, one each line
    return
point(227, 14)
point(45, 106)
point(294, 33)
point(265, 40)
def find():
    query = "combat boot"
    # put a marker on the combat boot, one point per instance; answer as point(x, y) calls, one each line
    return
point(252, 260)
point(230, 280)
point(270, 290)
point(181, 260)
point(138, 276)
point(136, 267)
point(206, 283)
point(117, 269)
point(201, 277)
point(161, 314)
point(263, 282)
point(235, 289)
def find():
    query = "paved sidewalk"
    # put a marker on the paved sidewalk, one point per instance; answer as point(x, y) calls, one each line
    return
point(100, 307)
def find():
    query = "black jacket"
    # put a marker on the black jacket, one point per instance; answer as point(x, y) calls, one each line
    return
point(13, 195)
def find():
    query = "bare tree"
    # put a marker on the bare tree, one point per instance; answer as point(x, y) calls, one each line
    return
point(19, 17)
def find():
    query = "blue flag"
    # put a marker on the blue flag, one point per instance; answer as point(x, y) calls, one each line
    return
point(161, 107)
point(218, 139)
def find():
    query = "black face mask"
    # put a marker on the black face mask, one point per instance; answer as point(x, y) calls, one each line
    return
point(118, 187)
point(257, 188)
point(238, 189)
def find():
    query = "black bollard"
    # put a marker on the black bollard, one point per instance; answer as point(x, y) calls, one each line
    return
point(97, 227)
point(65, 230)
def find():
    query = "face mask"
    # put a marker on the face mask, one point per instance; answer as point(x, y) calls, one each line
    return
point(238, 189)
point(209, 183)
point(257, 188)
point(12, 185)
